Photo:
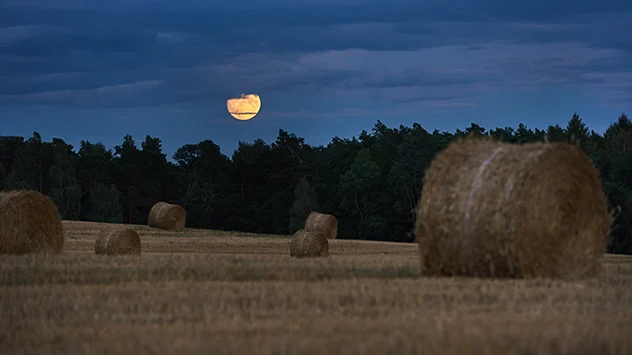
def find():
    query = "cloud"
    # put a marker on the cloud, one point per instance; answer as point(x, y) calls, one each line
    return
point(456, 70)
point(174, 38)
point(97, 97)
point(10, 35)
point(443, 74)
point(433, 53)
point(616, 86)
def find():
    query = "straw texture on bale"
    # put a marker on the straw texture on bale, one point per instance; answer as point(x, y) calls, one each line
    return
point(324, 223)
point(118, 242)
point(167, 216)
point(492, 209)
point(29, 223)
point(306, 244)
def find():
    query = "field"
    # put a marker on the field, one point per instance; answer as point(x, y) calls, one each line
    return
point(208, 292)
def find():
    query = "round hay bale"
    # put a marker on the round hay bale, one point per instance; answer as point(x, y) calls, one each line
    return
point(492, 209)
point(324, 223)
point(29, 223)
point(118, 242)
point(167, 216)
point(309, 244)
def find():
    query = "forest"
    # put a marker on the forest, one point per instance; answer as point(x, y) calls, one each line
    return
point(371, 183)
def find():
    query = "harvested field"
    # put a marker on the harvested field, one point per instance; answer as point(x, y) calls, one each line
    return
point(231, 293)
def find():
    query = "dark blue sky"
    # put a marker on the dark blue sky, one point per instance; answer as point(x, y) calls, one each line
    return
point(99, 70)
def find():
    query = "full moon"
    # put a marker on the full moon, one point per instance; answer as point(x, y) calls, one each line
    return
point(244, 107)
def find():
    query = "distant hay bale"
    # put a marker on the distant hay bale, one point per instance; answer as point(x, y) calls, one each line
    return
point(492, 209)
point(309, 244)
point(167, 216)
point(324, 223)
point(29, 223)
point(117, 242)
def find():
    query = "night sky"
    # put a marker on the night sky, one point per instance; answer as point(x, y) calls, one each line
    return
point(88, 70)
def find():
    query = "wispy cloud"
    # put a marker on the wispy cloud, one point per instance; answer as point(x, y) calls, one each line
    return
point(12, 34)
point(399, 53)
point(121, 91)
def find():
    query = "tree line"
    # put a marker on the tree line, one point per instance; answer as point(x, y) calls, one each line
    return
point(371, 183)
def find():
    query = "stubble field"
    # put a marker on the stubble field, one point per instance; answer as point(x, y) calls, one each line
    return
point(208, 292)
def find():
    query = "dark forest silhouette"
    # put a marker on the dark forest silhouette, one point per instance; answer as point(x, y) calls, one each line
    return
point(371, 183)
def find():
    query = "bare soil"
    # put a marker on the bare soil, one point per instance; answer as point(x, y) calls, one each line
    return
point(212, 292)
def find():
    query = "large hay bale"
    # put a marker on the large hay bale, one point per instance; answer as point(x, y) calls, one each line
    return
point(309, 244)
point(324, 223)
point(167, 216)
point(29, 223)
point(118, 242)
point(492, 209)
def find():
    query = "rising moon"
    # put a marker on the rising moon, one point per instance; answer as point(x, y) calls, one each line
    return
point(245, 107)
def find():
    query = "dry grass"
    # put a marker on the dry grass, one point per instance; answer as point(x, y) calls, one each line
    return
point(229, 295)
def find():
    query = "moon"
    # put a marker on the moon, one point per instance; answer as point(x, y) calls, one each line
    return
point(244, 107)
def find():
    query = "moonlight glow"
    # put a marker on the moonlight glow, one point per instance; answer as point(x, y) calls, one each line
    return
point(245, 107)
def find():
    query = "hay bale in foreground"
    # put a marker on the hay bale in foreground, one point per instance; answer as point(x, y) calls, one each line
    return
point(29, 223)
point(324, 223)
point(118, 242)
point(167, 216)
point(492, 209)
point(309, 244)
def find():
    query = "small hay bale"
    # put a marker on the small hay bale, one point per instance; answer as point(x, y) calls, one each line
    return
point(118, 242)
point(492, 209)
point(29, 223)
point(167, 216)
point(309, 244)
point(324, 223)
